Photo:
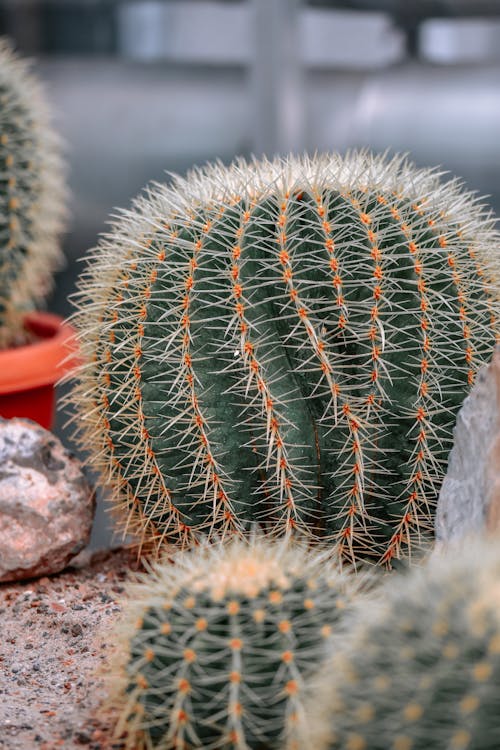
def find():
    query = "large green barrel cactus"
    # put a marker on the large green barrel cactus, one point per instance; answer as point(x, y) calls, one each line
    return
point(214, 650)
point(421, 670)
point(286, 343)
point(32, 195)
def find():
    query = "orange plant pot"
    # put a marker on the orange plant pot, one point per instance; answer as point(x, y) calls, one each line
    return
point(29, 373)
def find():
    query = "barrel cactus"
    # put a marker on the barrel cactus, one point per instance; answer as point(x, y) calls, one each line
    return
point(286, 344)
point(214, 649)
point(422, 669)
point(32, 195)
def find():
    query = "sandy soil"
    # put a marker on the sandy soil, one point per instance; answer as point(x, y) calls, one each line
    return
point(54, 634)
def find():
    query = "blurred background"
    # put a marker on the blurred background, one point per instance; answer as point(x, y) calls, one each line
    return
point(141, 87)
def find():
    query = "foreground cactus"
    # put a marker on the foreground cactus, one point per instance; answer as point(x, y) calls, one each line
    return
point(286, 343)
point(421, 671)
point(32, 196)
point(216, 647)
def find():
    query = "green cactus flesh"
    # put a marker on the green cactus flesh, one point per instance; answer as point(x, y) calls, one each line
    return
point(422, 672)
point(31, 195)
point(286, 343)
point(217, 646)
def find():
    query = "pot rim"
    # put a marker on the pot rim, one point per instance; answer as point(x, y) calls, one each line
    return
point(42, 362)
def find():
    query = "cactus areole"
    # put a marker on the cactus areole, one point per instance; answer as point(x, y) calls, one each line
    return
point(286, 343)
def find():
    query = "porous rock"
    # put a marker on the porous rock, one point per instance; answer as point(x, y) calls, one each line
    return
point(469, 501)
point(46, 504)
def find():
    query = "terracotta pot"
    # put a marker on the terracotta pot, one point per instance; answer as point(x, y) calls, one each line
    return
point(28, 373)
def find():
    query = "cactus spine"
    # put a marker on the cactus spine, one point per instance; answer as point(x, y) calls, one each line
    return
point(32, 195)
point(422, 669)
point(286, 343)
point(217, 646)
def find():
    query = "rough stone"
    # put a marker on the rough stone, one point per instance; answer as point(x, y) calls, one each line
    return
point(46, 504)
point(469, 501)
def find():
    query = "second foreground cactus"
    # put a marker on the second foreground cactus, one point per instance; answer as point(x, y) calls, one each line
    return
point(217, 646)
point(286, 343)
point(421, 670)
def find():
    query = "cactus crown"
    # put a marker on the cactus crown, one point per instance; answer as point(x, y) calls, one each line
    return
point(32, 195)
point(216, 648)
point(286, 343)
point(421, 668)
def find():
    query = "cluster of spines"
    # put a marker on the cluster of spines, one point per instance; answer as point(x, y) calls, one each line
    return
point(419, 668)
point(215, 649)
point(32, 194)
point(390, 236)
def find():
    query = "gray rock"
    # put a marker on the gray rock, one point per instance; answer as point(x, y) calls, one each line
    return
point(469, 501)
point(46, 504)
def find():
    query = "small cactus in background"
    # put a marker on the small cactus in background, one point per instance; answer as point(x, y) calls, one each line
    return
point(420, 670)
point(286, 343)
point(32, 196)
point(216, 647)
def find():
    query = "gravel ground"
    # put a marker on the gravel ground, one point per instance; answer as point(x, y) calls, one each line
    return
point(54, 635)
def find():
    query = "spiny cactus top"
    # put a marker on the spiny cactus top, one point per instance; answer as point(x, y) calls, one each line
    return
point(215, 648)
point(420, 670)
point(32, 195)
point(286, 342)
